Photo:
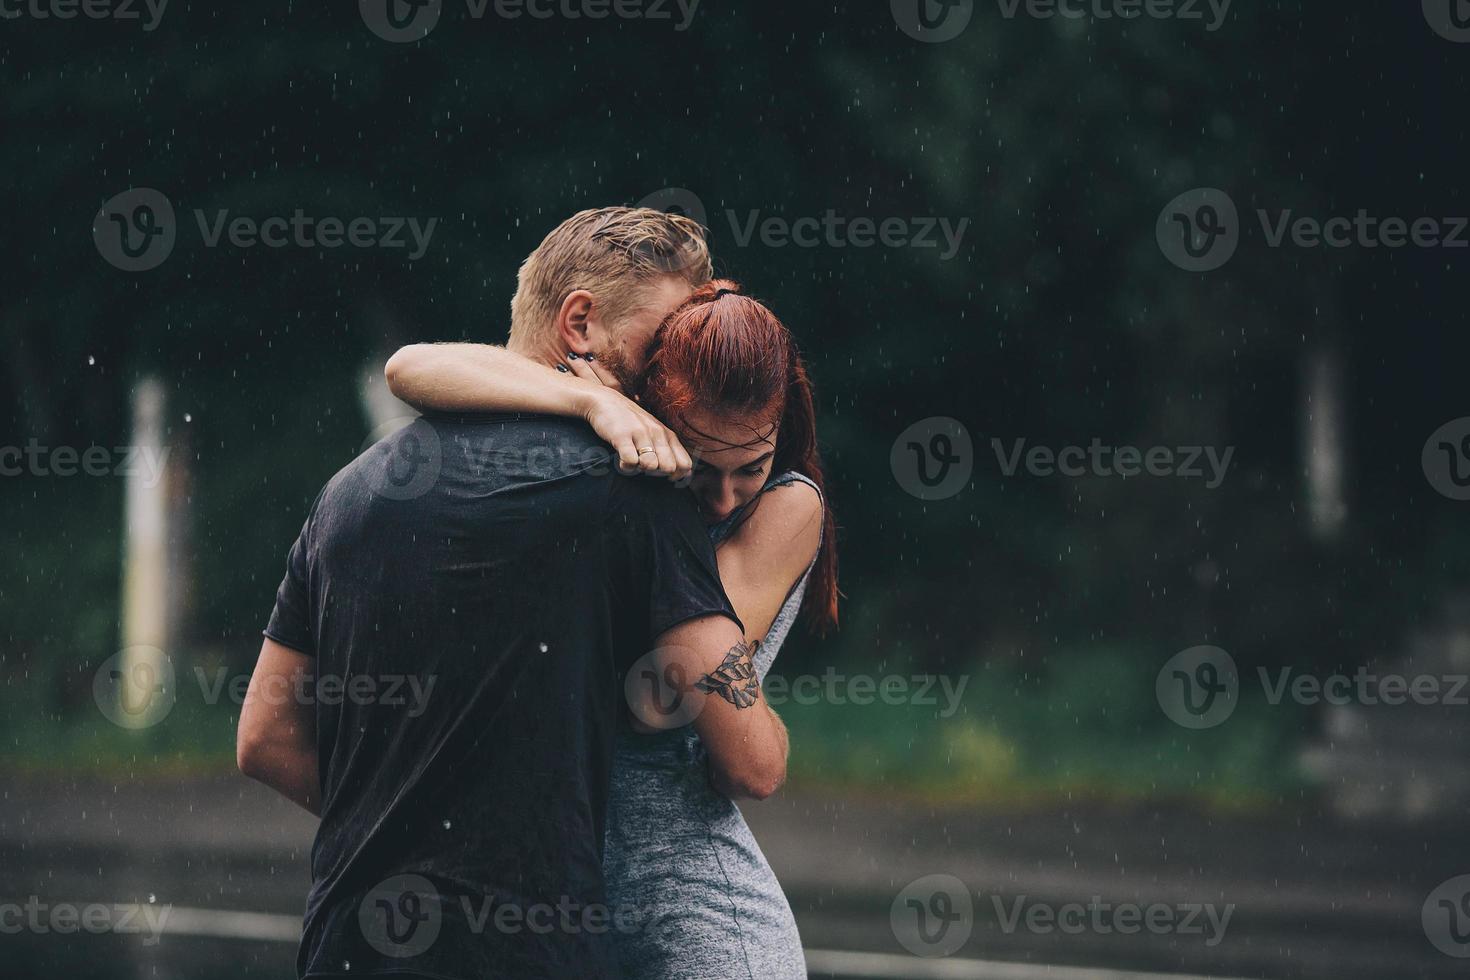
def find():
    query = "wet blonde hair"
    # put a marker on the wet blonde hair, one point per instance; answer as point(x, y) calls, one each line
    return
point(614, 254)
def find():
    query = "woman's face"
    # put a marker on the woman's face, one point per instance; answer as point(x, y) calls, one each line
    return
point(732, 460)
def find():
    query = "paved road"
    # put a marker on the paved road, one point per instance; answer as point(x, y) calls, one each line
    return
point(1330, 901)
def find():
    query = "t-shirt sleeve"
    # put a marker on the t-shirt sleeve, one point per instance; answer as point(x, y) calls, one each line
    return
point(672, 561)
point(290, 622)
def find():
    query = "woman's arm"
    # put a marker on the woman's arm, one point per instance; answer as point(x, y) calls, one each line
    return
point(746, 741)
point(759, 564)
point(767, 555)
point(483, 378)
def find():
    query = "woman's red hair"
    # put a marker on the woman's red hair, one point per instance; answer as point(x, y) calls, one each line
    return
point(726, 354)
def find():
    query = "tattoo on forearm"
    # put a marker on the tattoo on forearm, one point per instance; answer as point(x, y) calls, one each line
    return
point(735, 678)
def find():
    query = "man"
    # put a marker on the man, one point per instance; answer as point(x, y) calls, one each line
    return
point(503, 570)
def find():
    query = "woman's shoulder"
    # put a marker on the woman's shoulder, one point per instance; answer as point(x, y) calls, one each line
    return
point(791, 478)
point(785, 519)
point(792, 496)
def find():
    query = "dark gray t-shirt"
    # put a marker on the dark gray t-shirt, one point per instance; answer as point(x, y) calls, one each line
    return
point(473, 590)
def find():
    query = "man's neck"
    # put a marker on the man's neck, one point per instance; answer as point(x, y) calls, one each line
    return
point(541, 354)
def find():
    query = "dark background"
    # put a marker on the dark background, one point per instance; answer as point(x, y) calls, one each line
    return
point(1058, 321)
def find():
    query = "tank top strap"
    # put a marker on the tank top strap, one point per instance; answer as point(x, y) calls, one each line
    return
point(725, 528)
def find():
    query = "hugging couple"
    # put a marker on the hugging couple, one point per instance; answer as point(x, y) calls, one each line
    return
point(544, 817)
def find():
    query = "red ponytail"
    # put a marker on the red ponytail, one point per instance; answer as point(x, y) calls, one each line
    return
point(726, 354)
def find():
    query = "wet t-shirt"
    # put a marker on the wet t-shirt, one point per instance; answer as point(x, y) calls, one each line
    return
point(472, 591)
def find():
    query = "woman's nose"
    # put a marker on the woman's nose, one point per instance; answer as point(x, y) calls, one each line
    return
point(722, 498)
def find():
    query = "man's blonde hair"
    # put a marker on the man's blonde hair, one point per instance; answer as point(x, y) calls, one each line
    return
point(613, 253)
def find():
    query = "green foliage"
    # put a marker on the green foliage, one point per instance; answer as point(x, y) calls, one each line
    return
point(1088, 725)
point(1057, 321)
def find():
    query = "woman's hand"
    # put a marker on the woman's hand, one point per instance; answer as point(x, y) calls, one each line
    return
point(482, 378)
point(642, 442)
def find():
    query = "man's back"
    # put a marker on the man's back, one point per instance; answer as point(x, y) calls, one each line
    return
point(472, 590)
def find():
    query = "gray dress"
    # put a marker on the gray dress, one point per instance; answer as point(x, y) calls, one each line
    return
point(679, 852)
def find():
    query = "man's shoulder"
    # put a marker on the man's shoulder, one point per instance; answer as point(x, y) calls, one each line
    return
point(412, 462)
point(518, 426)
point(644, 499)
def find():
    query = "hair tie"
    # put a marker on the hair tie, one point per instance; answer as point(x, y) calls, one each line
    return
point(722, 292)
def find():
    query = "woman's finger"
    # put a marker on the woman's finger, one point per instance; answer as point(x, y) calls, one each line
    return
point(681, 456)
point(627, 453)
point(580, 367)
point(643, 450)
point(648, 457)
point(648, 460)
point(668, 463)
point(603, 376)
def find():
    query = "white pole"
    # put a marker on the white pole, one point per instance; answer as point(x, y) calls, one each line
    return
point(145, 619)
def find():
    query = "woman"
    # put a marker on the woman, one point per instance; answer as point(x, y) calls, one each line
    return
point(724, 375)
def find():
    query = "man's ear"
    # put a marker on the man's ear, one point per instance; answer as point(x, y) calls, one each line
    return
point(574, 320)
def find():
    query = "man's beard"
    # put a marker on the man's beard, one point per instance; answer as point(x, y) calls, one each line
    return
point(615, 363)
